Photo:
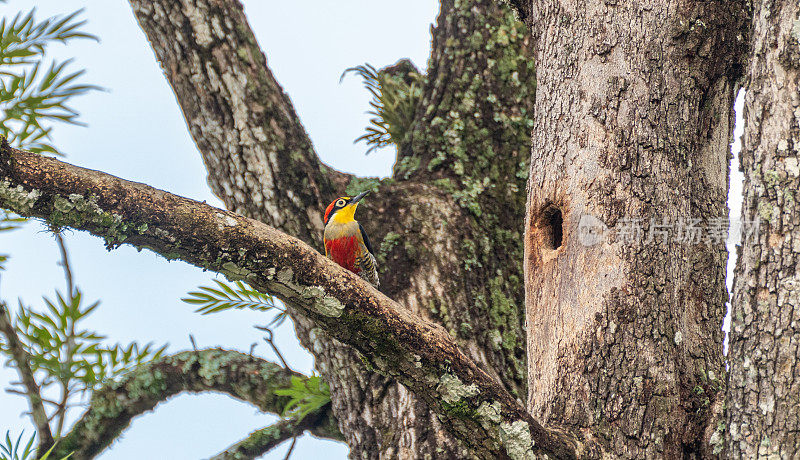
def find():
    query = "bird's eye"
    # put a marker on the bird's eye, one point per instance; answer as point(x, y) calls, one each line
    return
point(340, 202)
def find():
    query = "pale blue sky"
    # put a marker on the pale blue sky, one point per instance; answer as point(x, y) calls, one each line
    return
point(136, 131)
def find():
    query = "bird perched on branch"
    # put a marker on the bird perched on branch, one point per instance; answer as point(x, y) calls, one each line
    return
point(346, 242)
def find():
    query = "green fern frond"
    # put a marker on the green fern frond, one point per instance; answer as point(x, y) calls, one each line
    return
point(238, 296)
point(11, 450)
point(307, 395)
point(23, 40)
point(31, 93)
point(64, 352)
point(396, 92)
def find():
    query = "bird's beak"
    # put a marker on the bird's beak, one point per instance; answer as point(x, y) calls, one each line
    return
point(359, 197)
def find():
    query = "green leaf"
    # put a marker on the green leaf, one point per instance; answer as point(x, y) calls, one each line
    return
point(62, 352)
point(307, 395)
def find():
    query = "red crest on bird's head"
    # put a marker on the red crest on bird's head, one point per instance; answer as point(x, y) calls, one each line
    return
point(328, 211)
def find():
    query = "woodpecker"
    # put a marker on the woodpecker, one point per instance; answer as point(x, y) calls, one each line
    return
point(346, 242)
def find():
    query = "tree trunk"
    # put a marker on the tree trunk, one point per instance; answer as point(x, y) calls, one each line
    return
point(764, 386)
point(633, 118)
point(623, 265)
point(446, 227)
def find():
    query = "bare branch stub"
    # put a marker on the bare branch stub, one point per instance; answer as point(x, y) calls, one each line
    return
point(269, 338)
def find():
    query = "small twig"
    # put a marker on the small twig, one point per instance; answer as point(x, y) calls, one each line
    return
point(62, 246)
point(61, 410)
point(291, 449)
point(270, 340)
point(252, 348)
point(22, 358)
point(55, 414)
point(194, 344)
point(46, 381)
point(22, 393)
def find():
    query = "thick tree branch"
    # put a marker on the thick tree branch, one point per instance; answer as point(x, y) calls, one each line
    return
point(259, 157)
point(261, 441)
point(473, 127)
point(422, 356)
point(22, 359)
point(474, 120)
point(239, 375)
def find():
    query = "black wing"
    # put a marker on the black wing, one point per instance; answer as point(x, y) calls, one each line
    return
point(366, 239)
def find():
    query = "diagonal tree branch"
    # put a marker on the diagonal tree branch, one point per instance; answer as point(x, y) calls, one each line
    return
point(261, 441)
point(22, 359)
point(475, 112)
point(421, 355)
point(260, 160)
point(239, 375)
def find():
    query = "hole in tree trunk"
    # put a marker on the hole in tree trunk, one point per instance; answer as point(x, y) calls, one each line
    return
point(553, 223)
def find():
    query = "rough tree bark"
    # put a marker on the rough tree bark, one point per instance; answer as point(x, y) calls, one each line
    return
point(633, 118)
point(764, 385)
point(447, 224)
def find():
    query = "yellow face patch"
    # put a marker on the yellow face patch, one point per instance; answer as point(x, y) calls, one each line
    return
point(346, 214)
